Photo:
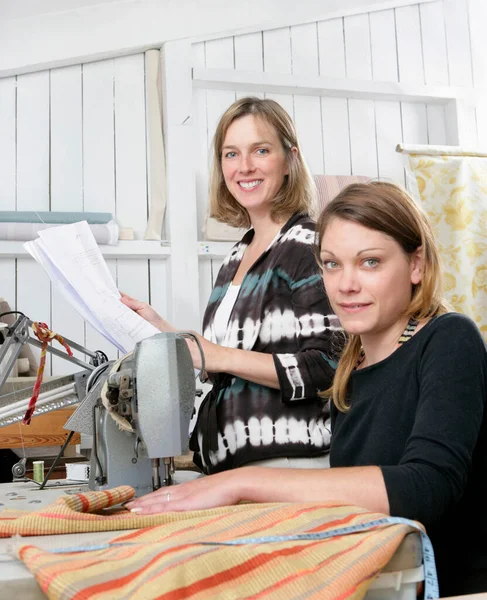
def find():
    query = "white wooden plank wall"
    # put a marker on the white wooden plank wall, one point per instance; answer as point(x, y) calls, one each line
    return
point(437, 44)
point(73, 139)
point(8, 188)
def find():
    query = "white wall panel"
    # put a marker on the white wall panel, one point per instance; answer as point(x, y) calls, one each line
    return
point(98, 137)
point(334, 111)
point(307, 109)
point(458, 41)
point(336, 136)
point(220, 53)
point(307, 117)
point(249, 57)
point(414, 123)
point(158, 289)
point(248, 52)
point(66, 139)
point(33, 141)
point(331, 48)
point(357, 47)
point(389, 134)
point(200, 127)
point(362, 138)
point(383, 45)
point(477, 10)
point(434, 43)
point(8, 281)
point(7, 143)
point(34, 298)
point(304, 49)
point(277, 59)
point(388, 127)
point(277, 50)
point(435, 114)
point(130, 144)
point(409, 44)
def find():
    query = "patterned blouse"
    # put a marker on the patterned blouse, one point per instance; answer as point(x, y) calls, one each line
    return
point(281, 309)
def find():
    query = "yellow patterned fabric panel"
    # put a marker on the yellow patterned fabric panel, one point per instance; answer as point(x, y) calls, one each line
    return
point(170, 560)
point(453, 192)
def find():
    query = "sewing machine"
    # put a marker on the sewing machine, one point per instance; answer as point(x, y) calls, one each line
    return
point(137, 409)
point(138, 413)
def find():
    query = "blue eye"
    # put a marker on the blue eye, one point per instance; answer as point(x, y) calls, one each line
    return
point(329, 265)
point(230, 154)
point(262, 151)
point(371, 262)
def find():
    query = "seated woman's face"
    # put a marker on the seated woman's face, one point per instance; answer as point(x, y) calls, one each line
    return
point(367, 277)
point(253, 163)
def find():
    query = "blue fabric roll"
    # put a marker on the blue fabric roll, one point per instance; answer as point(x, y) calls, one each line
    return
point(54, 217)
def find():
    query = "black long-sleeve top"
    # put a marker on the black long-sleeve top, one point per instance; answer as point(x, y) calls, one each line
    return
point(419, 416)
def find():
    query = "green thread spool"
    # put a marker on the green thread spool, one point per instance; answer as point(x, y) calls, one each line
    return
point(38, 466)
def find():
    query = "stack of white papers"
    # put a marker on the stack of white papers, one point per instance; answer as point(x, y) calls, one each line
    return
point(71, 257)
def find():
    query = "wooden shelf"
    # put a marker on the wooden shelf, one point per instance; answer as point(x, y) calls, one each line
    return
point(124, 249)
point(314, 85)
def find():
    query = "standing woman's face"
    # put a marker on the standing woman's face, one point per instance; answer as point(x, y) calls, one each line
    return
point(367, 276)
point(253, 164)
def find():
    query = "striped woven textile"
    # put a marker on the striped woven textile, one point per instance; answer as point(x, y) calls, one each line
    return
point(170, 560)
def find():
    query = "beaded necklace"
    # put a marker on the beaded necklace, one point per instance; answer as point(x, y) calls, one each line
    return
point(406, 335)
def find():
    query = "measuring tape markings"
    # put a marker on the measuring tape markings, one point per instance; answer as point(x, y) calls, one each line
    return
point(432, 591)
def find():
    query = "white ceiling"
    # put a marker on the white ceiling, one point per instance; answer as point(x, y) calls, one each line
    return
point(16, 9)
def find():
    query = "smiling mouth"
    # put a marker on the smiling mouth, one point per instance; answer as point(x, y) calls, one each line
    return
point(353, 307)
point(250, 185)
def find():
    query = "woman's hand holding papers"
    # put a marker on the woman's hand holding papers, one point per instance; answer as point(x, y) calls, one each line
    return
point(146, 311)
point(214, 354)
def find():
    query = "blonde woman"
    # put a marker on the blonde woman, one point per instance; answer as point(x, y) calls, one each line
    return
point(268, 327)
point(409, 433)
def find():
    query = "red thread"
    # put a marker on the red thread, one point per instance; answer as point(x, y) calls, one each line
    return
point(44, 335)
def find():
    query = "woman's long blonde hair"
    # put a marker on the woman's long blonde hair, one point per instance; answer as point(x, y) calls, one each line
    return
point(298, 190)
point(387, 208)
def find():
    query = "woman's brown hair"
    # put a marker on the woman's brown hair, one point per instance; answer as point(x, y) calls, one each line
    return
point(387, 208)
point(298, 190)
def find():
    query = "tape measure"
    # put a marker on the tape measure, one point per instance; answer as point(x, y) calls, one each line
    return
point(431, 588)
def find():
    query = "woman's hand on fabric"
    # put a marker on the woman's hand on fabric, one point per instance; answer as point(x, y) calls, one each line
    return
point(145, 310)
point(222, 489)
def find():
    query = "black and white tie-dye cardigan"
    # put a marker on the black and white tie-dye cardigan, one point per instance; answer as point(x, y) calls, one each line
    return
point(281, 309)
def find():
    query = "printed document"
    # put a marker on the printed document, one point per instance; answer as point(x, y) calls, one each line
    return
point(72, 259)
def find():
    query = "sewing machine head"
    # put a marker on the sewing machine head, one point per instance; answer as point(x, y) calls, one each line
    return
point(140, 411)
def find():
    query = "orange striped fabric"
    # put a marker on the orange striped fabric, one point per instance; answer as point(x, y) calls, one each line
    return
point(170, 561)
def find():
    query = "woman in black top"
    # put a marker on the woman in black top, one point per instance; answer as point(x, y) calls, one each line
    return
point(409, 434)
